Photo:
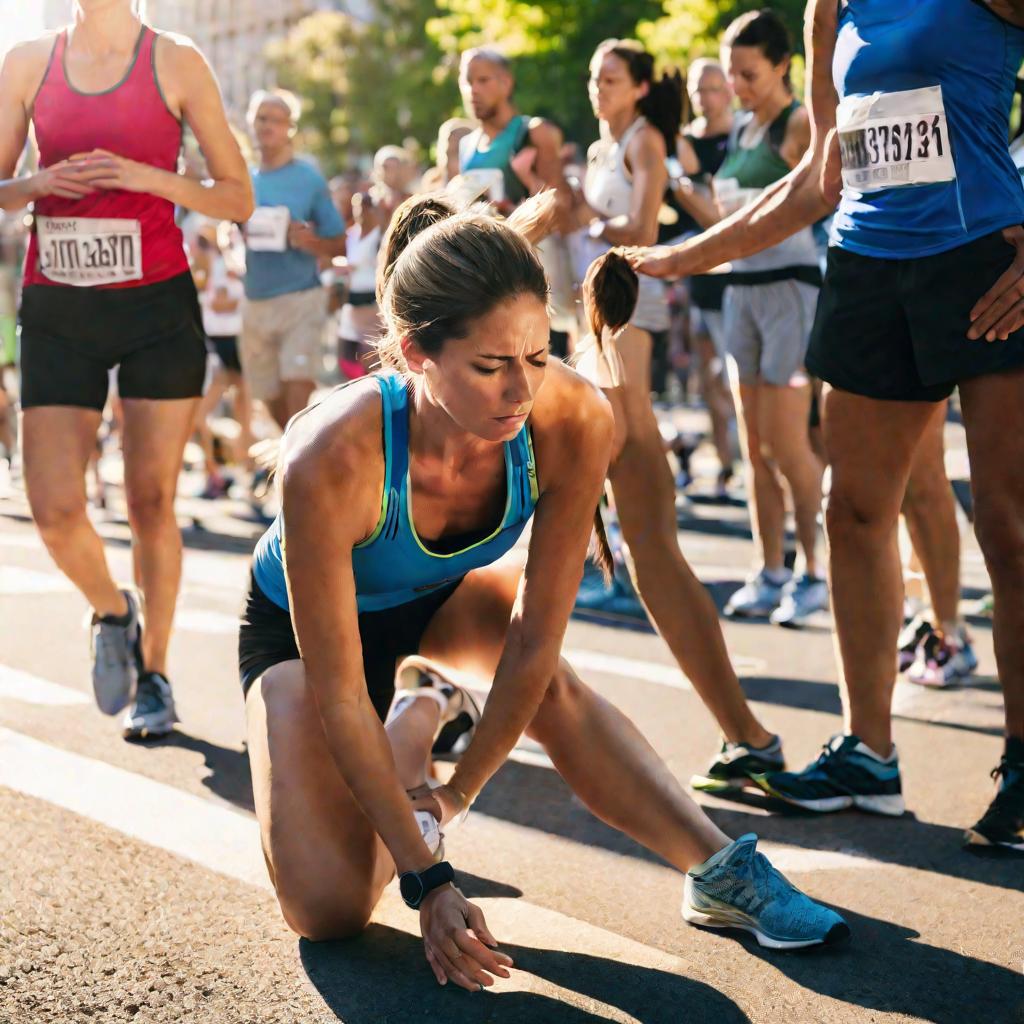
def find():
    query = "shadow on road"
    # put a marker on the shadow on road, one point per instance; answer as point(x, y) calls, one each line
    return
point(382, 978)
point(819, 695)
point(887, 971)
point(905, 841)
point(229, 776)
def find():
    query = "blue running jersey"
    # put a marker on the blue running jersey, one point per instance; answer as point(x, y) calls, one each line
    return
point(925, 88)
point(393, 566)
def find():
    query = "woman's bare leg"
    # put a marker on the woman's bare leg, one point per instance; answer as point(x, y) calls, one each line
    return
point(767, 505)
point(784, 414)
point(930, 513)
point(677, 601)
point(871, 446)
point(327, 864)
point(596, 749)
point(993, 408)
point(58, 442)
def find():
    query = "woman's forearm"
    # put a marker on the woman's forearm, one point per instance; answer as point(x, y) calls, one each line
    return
point(223, 200)
point(360, 748)
point(520, 682)
point(792, 203)
point(17, 193)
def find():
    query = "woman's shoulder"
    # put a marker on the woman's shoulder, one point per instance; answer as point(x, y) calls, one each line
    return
point(569, 413)
point(26, 63)
point(338, 437)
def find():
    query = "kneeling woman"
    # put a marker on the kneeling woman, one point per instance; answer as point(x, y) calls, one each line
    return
point(402, 492)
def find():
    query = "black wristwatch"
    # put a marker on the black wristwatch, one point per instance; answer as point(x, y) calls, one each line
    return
point(415, 885)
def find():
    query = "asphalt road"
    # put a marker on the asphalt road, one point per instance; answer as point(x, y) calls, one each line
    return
point(132, 887)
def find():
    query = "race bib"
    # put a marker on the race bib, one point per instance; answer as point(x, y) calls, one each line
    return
point(894, 139)
point(89, 251)
point(267, 230)
point(730, 196)
point(487, 183)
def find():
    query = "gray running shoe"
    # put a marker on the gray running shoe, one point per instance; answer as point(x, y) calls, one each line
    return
point(734, 765)
point(757, 598)
point(801, 599)
point(152, 713)
point(116, 658)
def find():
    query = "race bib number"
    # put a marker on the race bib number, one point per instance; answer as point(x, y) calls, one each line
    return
point(730, 196)
point(487, 183)
point(89, 251)
point(267, 230)
point(894, 139)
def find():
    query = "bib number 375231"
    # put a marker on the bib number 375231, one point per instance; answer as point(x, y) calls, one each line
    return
point(894, 139)
point(89, 251)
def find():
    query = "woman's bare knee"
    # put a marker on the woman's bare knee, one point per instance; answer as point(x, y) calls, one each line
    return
point(321, 920)
point(561, 699)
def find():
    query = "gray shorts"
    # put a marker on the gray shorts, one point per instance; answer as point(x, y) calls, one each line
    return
point(767, 328)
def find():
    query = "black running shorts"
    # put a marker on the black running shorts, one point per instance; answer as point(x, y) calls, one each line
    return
point(266, 638)
point(72, 337)
point(897, 329)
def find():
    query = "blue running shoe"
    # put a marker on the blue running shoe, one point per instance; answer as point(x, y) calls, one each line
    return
point(846, 774)
point(738, 888)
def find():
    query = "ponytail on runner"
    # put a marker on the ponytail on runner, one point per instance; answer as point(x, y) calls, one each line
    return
point(663, 104)
point(609, 300)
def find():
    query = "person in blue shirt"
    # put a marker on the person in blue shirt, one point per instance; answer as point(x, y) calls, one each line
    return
point(295, 225)
point(924, 293)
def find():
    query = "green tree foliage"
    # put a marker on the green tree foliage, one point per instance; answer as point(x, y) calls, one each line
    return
point(550, 44)
point(691, 28)
point(366, 84)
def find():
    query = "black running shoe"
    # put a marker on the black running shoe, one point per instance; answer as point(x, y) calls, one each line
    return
point(846, 774)
point(1002, 824)
point(734, 765)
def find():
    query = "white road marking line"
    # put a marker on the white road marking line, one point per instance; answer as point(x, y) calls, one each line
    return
point(648, 671)
point(17, 540)
point(14, 580)
point(29, 689)
point(227, 842)
point(215, 837)
point(201, 620)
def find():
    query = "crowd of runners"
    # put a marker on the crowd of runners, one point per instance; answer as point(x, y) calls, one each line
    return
point(509, 331)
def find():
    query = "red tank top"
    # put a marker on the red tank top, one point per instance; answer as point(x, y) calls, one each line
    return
point(113, 238)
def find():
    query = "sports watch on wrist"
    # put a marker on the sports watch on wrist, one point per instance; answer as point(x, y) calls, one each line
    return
point(415, 885)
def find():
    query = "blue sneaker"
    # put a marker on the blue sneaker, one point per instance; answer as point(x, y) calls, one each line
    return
point(738, 888)
point(802, 599)
point(846, 774)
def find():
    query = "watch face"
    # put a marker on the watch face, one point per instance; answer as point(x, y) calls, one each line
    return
point(411, 887)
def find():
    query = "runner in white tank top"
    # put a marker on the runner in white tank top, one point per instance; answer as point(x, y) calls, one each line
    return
point(626, 182)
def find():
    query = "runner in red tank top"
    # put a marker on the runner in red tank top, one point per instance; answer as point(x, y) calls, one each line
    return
point(107, 284)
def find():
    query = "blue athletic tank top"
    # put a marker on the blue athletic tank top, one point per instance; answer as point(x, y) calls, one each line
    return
point(925, 88)
point(393, 566)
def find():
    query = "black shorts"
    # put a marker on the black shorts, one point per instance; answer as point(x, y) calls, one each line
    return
point(266, 638)
point(72, 337)
point(226, 350)
point(897, 329)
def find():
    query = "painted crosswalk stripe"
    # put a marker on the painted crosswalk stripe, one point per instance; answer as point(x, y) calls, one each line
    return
point(30, 689)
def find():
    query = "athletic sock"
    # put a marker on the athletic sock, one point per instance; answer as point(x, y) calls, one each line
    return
point(777, 577)
point(118, 620)
point(1015, 750)
point(863, 748)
